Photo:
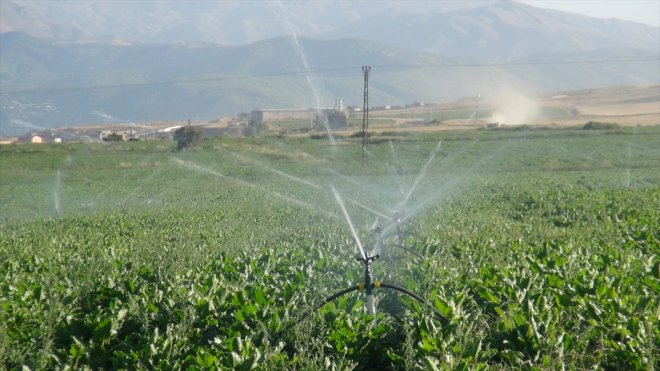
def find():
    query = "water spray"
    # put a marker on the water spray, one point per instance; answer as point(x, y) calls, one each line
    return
point(56, 194)
point(280, 11)
point(369, 283)
point(393, 227)
point(423, 170)
point(371, 210)
point(291, 200)
point(348, 219)
point(383, 234)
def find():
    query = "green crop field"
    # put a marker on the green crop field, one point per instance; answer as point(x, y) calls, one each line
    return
point(532, 249)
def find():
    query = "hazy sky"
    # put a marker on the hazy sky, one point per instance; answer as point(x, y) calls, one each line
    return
point(642, 11)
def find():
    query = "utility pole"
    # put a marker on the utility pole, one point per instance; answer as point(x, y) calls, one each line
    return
point(365, 113)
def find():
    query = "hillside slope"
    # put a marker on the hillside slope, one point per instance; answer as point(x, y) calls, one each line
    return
point(45, 84)
point(502, 31)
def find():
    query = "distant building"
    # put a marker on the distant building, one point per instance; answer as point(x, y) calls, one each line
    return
point(44, 136)
point(267, 115)
point(32, 138)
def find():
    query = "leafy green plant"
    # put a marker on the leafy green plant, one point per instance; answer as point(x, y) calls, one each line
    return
point(195, 260)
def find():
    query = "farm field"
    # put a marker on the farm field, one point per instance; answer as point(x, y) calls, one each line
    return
point(531, 249)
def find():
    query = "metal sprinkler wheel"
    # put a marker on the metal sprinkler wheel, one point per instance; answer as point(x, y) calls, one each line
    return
point(368, 285)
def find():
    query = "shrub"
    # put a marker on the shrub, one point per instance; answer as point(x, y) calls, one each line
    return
point(360, 134)
point(188, 137)
point(594, 125)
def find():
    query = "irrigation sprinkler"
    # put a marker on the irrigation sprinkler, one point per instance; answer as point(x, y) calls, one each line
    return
point(367, 259)
point(397, 216)
point(400, 241)
point(392, 228)
point(369, 285)
point(394, 221)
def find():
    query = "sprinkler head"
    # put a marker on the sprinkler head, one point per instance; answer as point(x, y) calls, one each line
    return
point(368, 259)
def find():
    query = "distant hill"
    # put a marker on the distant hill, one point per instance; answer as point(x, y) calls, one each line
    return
point(501, 31)
point(498, 30)
point(227, 22)
point(45, 83)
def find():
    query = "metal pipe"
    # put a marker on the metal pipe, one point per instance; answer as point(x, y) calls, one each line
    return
point(401, 289)
point(371, 305)
point(419, 256)
point(335, 296)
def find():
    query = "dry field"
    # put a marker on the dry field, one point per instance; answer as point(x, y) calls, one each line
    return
point(626, 106)
point(621, 105)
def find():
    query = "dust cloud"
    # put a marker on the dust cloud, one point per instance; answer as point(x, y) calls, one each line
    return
point(513, 108)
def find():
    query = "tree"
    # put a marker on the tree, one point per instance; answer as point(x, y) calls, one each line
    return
point(188, 137)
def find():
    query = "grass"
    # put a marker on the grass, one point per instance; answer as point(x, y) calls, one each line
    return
point(540, 251)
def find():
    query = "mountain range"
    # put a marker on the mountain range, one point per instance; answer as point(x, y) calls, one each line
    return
point(481, 30)
point(227, 22)
point(171, 60)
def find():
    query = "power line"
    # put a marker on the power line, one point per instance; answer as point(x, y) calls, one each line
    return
point(171, 82)
point(325, 70)
point(521, 63)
